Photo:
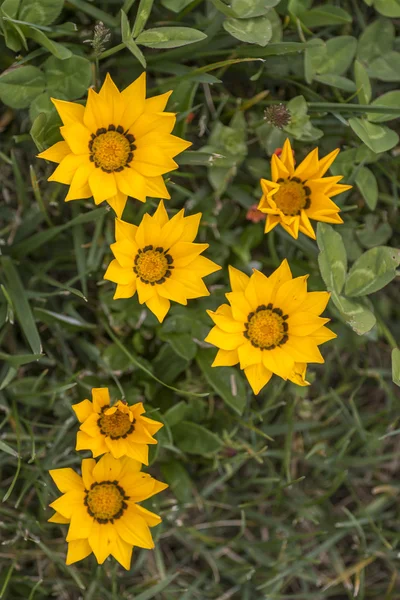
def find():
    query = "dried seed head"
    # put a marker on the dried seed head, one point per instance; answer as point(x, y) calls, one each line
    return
point(101, 36)
point(277, 115)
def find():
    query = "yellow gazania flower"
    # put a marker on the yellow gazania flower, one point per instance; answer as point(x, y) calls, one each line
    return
point(271, 326)
point(102, 511)
point(122, 430)
point(118, 145)
point(159, 261)
point(296, 195)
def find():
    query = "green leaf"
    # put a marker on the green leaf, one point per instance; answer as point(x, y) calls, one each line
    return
point(360, 318)
point(125, 27)
point(21, 305)
point(391, 99)
point(337, 81)
point(247, 9)
point(377, 137)
point(182, 343)
point(374, 233)
point(195, 439)
point(340, 52)
point(58, 50)
point(313, 56)
point(253, 31)
point(176, 413)
point(169, 37)
point(325, 15)
point(45, 130)
point(70, 77)
point(40, 12)
point(136, 51)
point(178, 480)
point(50, 317)
point(41, 104)
point(376, 40)
point(332, 259)
point(396, 366)
point(17, 360)
point(8, 450)
point(372, 271)
point(386, 67)
point(363, 84)
point(388, 8)
point(176, 5)
point(20, 86)
point(226, 381)
point(142, 16)
point(368, 186)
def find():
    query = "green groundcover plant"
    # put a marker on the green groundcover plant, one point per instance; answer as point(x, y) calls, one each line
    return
point(196, 195)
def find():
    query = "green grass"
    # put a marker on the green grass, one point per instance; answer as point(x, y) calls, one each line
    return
point(297, 498)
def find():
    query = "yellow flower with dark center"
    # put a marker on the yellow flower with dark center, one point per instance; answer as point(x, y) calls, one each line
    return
point(271, 325)
point(118, 145)
point(122, 430)
point(159, 261)
point(102, 511)
point(296, 195)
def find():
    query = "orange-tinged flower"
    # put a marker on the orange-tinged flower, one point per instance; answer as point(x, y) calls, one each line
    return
point(118, 145)
point(120, 429)
point(101, 508)
point(271, 325)
point(297, 194)
point(254, 215)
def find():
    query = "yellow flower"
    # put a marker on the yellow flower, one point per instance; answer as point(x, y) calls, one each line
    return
point(271, 326)
point(122, 430)
point(159, 261)
point(118, 145)
point(296, 195)
point(102, 511)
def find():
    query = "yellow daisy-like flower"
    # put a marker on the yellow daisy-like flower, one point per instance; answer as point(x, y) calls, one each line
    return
point(159, 261)
point(296, 195)
point(121, 429)
point(271, 326)
point(118, 145)
point(102, 511)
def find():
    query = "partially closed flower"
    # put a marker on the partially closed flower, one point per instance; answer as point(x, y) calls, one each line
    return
point(102, 511)
point(118, 145)
point(271, 326)
point(159, 261)
point(121, 429)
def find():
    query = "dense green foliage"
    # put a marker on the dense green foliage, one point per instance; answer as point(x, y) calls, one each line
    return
point(290, 494)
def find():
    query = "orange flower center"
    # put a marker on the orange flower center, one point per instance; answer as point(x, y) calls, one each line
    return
point(116, 426)
point(292, 196)
point(105, 501)
point(111, 149)
point(153, 265)
point(266, 327)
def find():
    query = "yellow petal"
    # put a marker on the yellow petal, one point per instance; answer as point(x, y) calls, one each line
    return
point(278, 361)
point(92, 116)
point(57, 518)
point(100, 397)
point(264, 287)
point(224, 340)
point(66, 479)
point(151, 162)
point(173, 290)
point(161, 122)
point(56, 152)
point(160, 216)
point(258, 376)
point(157, 103)
point(156, 188)
point(315, 302)
point(238, 280)
point(298, 375)
point(124, 230)
point(184, 253)
point(287, 157)
point(125, 251)
point(70, 112)
point(88, 464)
point(132, 183)
point(83, 410)
point(172, 231)
point(133, 529)
point(291, 294)
point(226, 358)
point(65, 171)
point(323, 335)
point(68, 503)
point(134, 97)
point(122, 552)
point(278, 169)
point(98, 541)
point(79, 187)
point(303, 349)
point(119, 274)
point(114, 101)
point(158, 306)
point(77, 550)
point(145, 291)
point(203, 266)
point(249, 355)
point(279, 277)
point(103, 185)
point(107, 469)
point(125, 291)
point(169, 144)
point(271, 222)
point(118, 203)
point(77, 137)
point(151, 518)
point(308, 168)
point(139, 452)
point(326, 162)
point(190, 227)
point(81, 525)
point(226, 322)
point(304, 323)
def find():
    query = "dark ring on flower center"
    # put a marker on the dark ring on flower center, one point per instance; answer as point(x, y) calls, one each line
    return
point(158, 259)
point(112, 162)
point(112, 494)
point(117, 421)
point(266, 327)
